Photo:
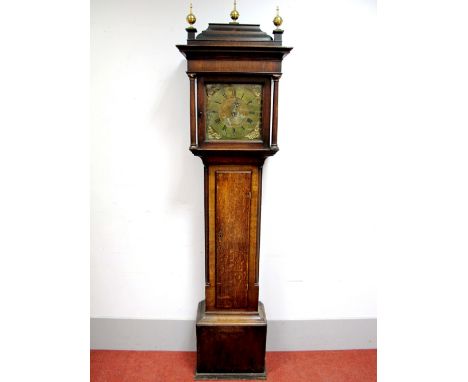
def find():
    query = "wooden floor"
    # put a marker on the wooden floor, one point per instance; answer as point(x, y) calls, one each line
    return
point(304, 366)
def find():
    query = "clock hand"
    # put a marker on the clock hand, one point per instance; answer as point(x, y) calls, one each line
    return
point(235, 106)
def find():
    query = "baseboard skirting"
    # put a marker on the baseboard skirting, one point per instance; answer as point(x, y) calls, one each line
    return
point(179, 335)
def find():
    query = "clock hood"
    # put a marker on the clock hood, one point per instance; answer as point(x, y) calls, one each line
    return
point(234, 38)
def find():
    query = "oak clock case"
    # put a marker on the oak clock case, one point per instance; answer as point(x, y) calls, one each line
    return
point(234, 71)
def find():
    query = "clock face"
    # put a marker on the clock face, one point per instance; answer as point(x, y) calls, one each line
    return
point(234, 111)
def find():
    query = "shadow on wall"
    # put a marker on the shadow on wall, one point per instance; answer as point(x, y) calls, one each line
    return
point(185, 171)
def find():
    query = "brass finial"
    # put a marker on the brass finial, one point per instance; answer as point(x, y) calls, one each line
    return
point(191, 17)
point(277, 20)
point(234, 14)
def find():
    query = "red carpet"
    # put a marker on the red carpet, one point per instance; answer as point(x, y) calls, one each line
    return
point(303, 366)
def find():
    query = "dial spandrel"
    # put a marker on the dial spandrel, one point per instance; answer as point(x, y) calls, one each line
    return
point(234, 111)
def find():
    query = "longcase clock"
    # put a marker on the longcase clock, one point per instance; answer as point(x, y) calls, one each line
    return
point(234, 71)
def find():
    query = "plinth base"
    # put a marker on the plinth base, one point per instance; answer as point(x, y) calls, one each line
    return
point(231, 345)
point(229, 376)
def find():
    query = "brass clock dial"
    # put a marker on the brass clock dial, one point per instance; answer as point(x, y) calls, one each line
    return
point(234, 111)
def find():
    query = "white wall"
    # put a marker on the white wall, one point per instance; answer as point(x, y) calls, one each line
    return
point(320, 205)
